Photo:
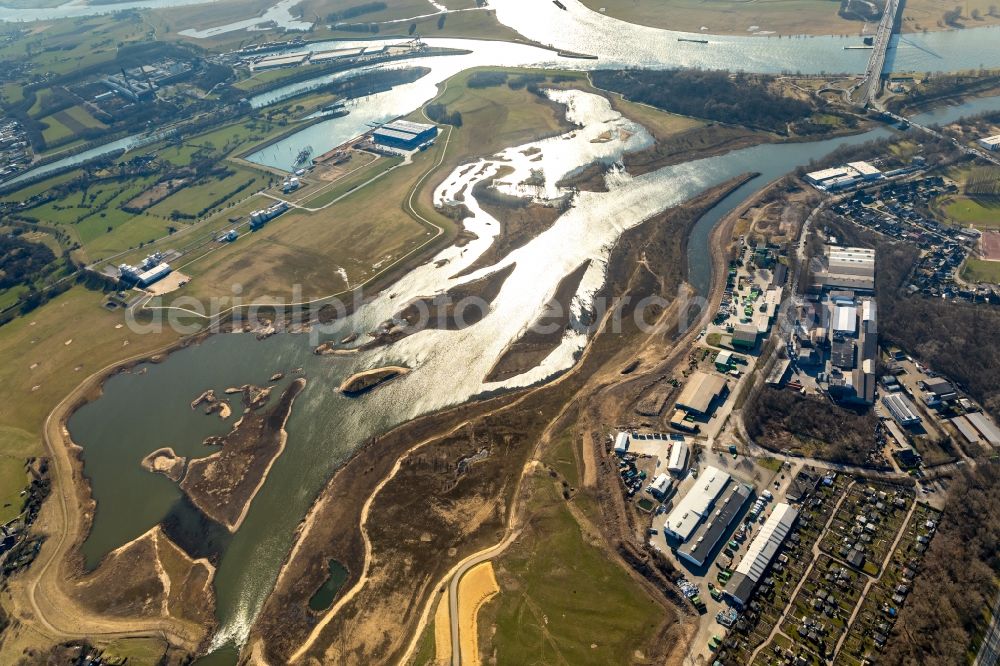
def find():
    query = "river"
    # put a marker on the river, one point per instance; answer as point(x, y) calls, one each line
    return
point(325, 427)
point(149, 407)
point(616, 43)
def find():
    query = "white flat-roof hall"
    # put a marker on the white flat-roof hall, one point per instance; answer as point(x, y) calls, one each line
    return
point(697, 504)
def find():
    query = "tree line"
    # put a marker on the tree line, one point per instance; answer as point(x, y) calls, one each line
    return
point(741, 99)
point(944, 616)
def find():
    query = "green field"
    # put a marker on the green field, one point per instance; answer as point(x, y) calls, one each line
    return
point(978, 270)
point(62, 126)
point(61, 47)
point(786, 17)
point(965, 211)
point(352, 180)
point(361, 234)
point(46, 354)
point(193, 199)
point(13, 479)
point(565, 602)
point(372, 228)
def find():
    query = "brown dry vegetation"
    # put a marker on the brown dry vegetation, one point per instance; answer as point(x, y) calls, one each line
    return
point(131, 582)
point(944, 614)
point(780, 419)
point(223, 484)
point(440, 511)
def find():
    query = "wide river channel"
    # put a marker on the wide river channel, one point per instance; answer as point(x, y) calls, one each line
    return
point(148, 407)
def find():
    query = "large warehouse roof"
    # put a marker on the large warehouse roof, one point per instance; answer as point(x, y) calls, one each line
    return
point(845, 318)
point(407, 127)
point(697, 503)
point(985, 427)
point(678, 456)
point(968, 431)
point(700, 391)
point(717, 524)
point(761, 551)
point(901, 409)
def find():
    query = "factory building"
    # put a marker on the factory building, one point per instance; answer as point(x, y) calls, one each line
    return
point(967, 430)
point(660, 486)
point(621, 443)
point(761, 552)
point(848, 268)
point(843, 176)
point(259, 218)
point(150, 270)
point(745, 335)
point(697, 504)
point(144, 278)
point(850, 370)
point(901, 409)
point(845, 319)
point(701, 392)
point(404, 134)
point(278, 61)
point(985, 427)
point(678, 457)
point(707, 536)
point(990, 142)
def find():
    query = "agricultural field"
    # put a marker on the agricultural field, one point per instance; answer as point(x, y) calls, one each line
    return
point(61, 47)
point(13, 479)
point(63, 126)
point(352, 180)
point(323, 252)
point(731, 17)
point(197, 200)
point(93, 217)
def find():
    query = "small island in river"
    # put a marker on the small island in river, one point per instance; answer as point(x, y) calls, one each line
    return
point(361, 382)
point(224, 484)
point(164, 461)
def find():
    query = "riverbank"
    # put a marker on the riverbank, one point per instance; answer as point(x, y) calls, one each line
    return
point(45, 598)
point(394, 468)
point(224, 484)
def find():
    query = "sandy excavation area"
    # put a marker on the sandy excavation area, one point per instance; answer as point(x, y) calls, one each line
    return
point(475, 589)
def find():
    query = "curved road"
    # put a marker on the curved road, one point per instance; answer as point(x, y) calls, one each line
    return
point(463, 568)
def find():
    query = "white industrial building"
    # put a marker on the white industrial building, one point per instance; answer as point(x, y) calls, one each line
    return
point(985, 427)
point(843, 176)
point(678, 457)
point(848, 268)
point(696, 504)
point(660, 485)
point(990, 142)
point(901, 409)
point(707, 536)
point(760, 552)
point(621, 443)
point(845, 319)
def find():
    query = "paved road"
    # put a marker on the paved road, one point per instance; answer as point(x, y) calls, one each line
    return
point(471, 561)
point(876, 62)
point(989, 653)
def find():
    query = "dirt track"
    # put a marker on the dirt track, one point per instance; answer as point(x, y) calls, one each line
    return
point(42, 597)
